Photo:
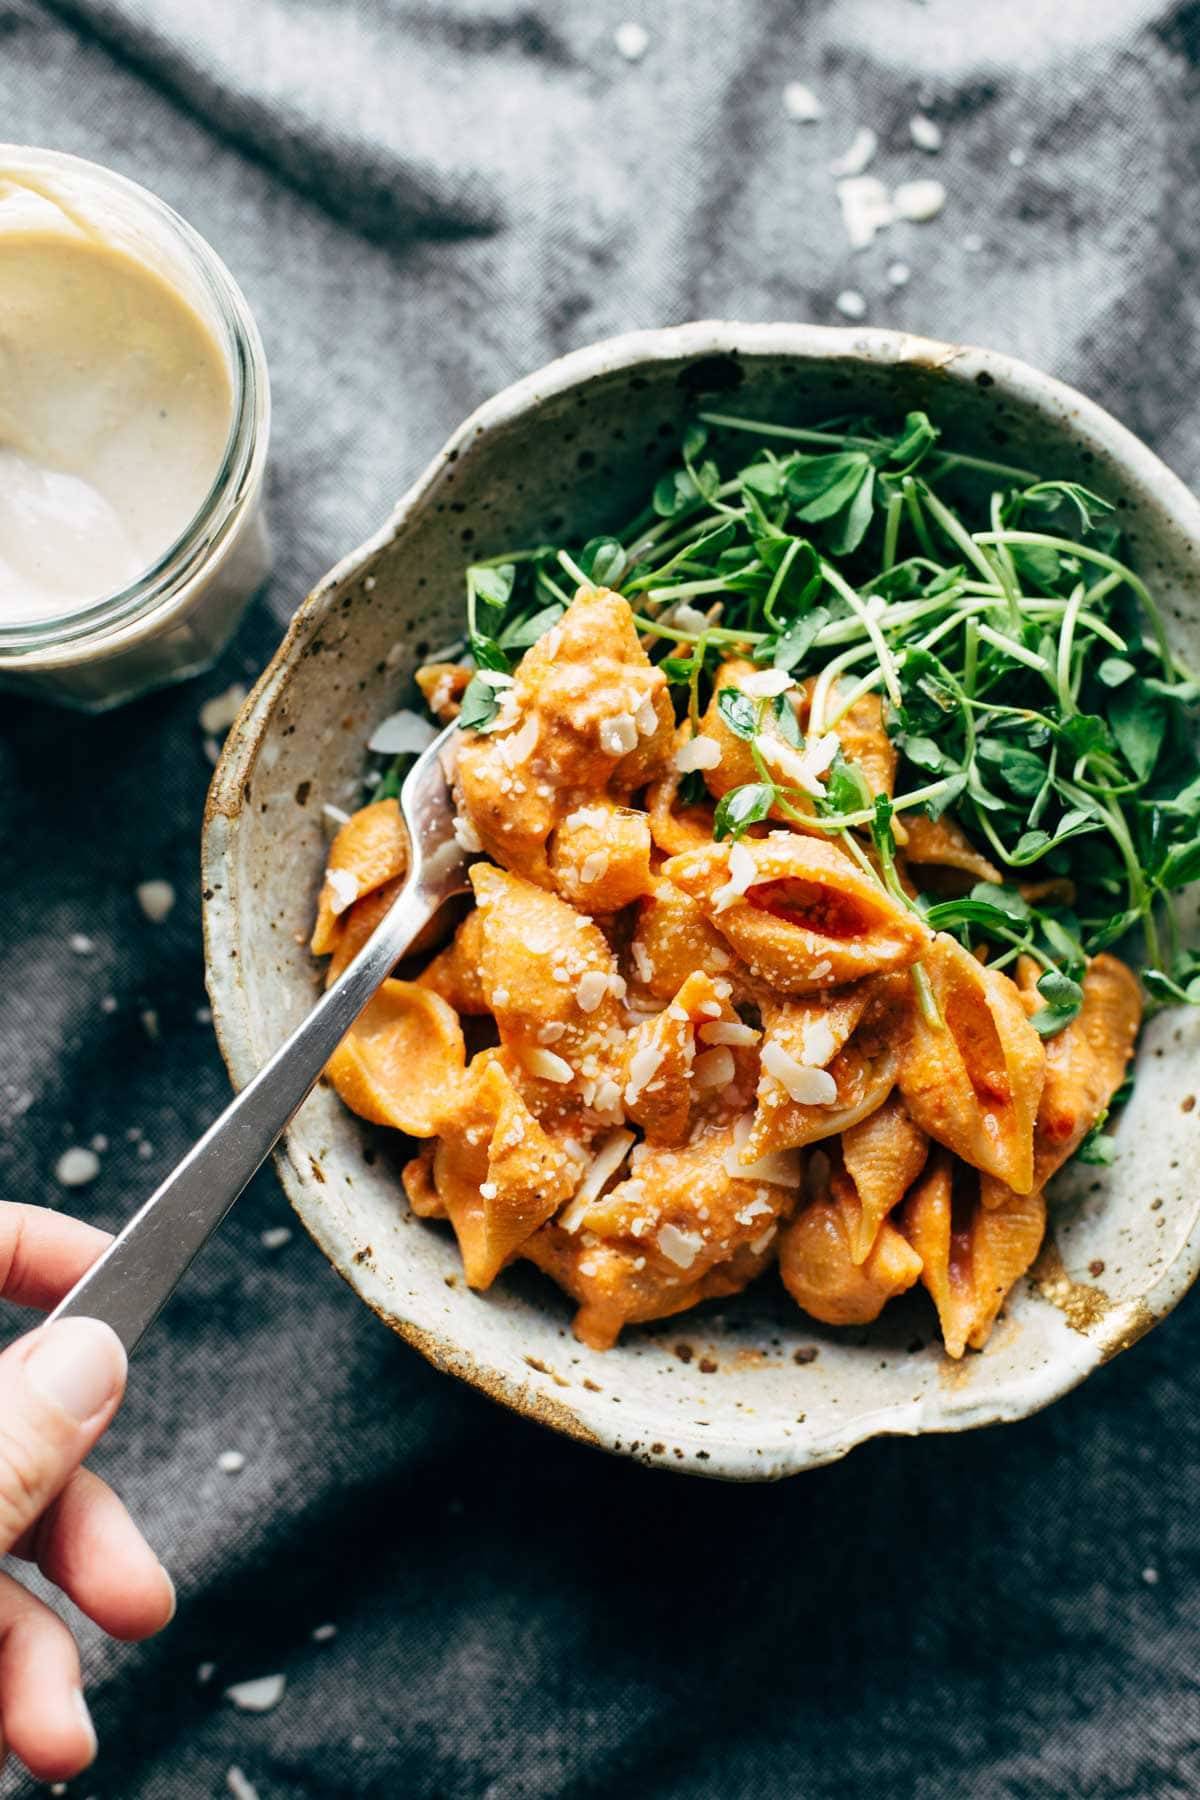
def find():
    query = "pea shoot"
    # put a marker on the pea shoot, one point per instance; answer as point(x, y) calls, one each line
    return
point(1027, 679)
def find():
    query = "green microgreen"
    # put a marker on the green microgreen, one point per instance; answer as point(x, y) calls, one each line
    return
point(1024, 668)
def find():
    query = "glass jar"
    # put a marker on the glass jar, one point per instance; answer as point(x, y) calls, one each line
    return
point(175, 617)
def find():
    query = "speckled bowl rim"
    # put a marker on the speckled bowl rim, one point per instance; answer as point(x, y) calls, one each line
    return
point(1099, 1337)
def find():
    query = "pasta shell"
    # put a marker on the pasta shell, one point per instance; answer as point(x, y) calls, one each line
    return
point(802, 1036)
point(664, 1086)
point(940, 843)
point(865, 741)
point(676, 828)
point(370, 849)
point(974, 1081)
point(455, 973)
point(672, 938)
point(971, 1255)
point(600, 857)
point(883, 1155)
point(808, 917)
point(588, 712)
point(498, 1173)
point(679, 1230)
point(402, 1062)
point(551, 981)
point(821, 1275)
point(1085, 1062)
point(442, 686)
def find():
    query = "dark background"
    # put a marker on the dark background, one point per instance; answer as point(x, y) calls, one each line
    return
point(423, 202)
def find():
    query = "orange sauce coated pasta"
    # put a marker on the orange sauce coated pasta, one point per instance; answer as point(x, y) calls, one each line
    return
point(700, 1059)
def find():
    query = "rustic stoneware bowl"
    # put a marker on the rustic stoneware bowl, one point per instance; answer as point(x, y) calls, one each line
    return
point(735, 1390)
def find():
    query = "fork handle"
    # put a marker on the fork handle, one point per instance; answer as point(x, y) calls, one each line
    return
point(140, 1269)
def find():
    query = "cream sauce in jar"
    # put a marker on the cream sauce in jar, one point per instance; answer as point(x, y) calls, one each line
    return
point(115, 408)
point(134, 422)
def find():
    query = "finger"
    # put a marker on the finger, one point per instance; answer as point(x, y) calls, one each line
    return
point(43, 1253)
point(87, 1545)
point(42, 1710)
point(59, 1387)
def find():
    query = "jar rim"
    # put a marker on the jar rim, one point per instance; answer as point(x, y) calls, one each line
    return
point(245, 444)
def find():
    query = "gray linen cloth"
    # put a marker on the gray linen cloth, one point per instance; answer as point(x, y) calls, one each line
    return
point(422, 202)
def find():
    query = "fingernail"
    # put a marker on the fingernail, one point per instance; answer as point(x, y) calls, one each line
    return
point(174, 1597)
point(85, 1719)
point(77, 1364)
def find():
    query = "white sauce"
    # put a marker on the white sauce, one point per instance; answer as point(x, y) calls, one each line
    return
point(115, 409)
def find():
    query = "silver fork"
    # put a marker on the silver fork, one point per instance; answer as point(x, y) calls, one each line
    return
point(141, 1268)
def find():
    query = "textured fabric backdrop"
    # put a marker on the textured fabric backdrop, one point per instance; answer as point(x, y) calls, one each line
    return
point(423, 201)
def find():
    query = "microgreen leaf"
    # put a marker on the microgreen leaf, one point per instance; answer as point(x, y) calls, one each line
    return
point(488, 654)
point(742, 807)
point(602, 559)
point(1006, 900)
point(786, 722)
point(847, 789)
point(1139, 722)
point(1114, 670)
point(739, 712)
point(1098, 1148)
point(524, 632)
point(1063, 998)
point(674, 493)
point(793, 646)
point(479, 706)
point(493, 583)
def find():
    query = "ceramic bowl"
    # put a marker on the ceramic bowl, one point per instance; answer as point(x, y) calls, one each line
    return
point(749, 1388)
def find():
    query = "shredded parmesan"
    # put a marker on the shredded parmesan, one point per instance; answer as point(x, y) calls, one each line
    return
point(801, 104)
point(805, 768)
point(495, 678)
point(610, 1154)
point(259, 1695)
point(925, 134)
point(728, 1031)
point(919, 200)
point(715, 1068)
point(866, 208)
point(643, 1067)
point(343, 889)
point(856, 158)
point(520, 746)
point(466, 836)
point(591, 989)
point(759, 1244)
point(594, 867)
point(548, 1065)
point(764, 684)
point(741, 874)
point(697, 753)
point(619, 735)
point(646, 718)
point(807, 1087)
point(680, 1247)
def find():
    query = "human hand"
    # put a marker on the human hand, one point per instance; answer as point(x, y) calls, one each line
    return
point(60, 1386)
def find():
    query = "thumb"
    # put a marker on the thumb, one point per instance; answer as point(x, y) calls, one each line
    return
point(59, 1387)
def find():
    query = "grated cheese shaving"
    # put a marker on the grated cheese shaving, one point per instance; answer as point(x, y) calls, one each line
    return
point(729, 1031)
point(697, 753)
point(764, 684)
point(610, 1154)
point(548, 1065)
point(680, 1247)
point(619, 735)
point(807, 1086)
point(715, 1068)
point(343, 889)
point(591, 989)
